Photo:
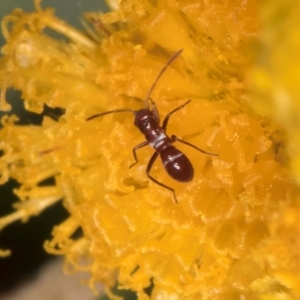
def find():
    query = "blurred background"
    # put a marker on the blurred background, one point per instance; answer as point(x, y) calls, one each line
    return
point(30, 273)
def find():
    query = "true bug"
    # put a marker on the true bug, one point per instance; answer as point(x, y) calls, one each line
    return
point(147, 121)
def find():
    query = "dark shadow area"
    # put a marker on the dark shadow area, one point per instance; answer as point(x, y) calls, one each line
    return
point(24, 240)
point(128, 295)
point(26, 117)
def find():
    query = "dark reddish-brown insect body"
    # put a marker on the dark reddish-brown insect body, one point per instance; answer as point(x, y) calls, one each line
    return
point(176, 163)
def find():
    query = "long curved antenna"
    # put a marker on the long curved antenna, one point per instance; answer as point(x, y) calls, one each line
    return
point(159, 75)
point(101, 26)
point(111, 112)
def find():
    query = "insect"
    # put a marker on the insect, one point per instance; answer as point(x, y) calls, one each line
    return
point(147, 120)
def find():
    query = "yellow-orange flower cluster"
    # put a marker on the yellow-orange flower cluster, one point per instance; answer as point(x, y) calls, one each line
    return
point(234, 233)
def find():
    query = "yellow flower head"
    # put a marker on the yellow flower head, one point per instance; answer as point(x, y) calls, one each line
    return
point(233, 233)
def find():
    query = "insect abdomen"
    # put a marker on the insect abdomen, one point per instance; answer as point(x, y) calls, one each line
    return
point(177, 164)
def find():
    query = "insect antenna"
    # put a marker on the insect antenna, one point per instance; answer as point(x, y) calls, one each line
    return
point(101, 26)
point(159, 75)
point(111, 112)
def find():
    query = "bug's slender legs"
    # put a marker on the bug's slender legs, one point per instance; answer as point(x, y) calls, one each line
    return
point(148, 170)
point(166, 120)
point(174, 138)
point(134, 152)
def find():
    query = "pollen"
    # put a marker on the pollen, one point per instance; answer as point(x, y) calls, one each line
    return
point(234, 233)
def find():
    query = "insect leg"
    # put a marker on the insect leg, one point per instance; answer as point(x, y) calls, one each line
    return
point(149, 167)
point(44, 152)
point(166, 120)
point(134, 152)
point(174, 138)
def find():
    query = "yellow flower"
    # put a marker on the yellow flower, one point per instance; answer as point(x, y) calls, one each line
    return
point(234, 232)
